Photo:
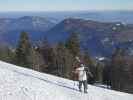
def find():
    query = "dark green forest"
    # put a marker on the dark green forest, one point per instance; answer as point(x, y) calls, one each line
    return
point(115, 71)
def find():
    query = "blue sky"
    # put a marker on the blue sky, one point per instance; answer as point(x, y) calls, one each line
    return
point(64, 5)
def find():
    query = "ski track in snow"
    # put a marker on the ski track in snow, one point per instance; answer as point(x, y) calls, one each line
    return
point(18, 83)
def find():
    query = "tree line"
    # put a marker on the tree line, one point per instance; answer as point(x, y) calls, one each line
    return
point(116, 71)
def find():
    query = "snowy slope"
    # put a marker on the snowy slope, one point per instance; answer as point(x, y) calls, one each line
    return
point(18, 83)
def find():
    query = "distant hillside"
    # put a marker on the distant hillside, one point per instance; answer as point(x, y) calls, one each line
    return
point(35, 26)
point(99, 37)
point(107, 16)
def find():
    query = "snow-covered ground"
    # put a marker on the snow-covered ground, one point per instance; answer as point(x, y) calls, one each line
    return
point(18, 83)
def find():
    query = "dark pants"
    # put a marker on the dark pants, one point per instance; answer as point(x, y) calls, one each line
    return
point(84, 84)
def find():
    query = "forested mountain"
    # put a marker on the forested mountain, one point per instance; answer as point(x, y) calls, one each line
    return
point(99, 38)
point(35, 26)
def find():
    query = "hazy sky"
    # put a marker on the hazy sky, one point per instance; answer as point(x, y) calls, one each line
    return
point(64, 5)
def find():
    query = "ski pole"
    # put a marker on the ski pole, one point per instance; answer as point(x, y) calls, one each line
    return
point(74, 85)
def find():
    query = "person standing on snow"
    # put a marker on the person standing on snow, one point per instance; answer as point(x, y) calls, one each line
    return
point(82, 78)
point(82, 75)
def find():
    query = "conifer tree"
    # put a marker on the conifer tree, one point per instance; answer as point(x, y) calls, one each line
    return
point(37, 60)
point(6, 53)
point(73, 44)
point(63, 60)
point(117, 71)
point(23, 51)
point(48, 55)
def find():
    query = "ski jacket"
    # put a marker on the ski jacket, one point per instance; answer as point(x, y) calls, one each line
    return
point(82, 76)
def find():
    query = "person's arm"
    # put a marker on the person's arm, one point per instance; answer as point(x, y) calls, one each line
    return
point(88, 71)
point(91, 75)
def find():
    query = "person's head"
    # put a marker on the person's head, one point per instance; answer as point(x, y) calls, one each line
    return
point(77, 58)
point(82, 65)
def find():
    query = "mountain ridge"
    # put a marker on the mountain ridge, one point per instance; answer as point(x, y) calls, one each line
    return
point(34, 25)
point(98, 37)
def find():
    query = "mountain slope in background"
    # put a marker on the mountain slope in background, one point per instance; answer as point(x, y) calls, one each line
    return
point(99, 37)
point(108, 16)
point(23, 84)
point(103, 16)
point(36, 26)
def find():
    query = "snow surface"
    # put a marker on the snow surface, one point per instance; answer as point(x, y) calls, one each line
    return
point(18, 83)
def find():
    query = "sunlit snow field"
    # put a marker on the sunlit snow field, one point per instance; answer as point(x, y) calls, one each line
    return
point(18, 83)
